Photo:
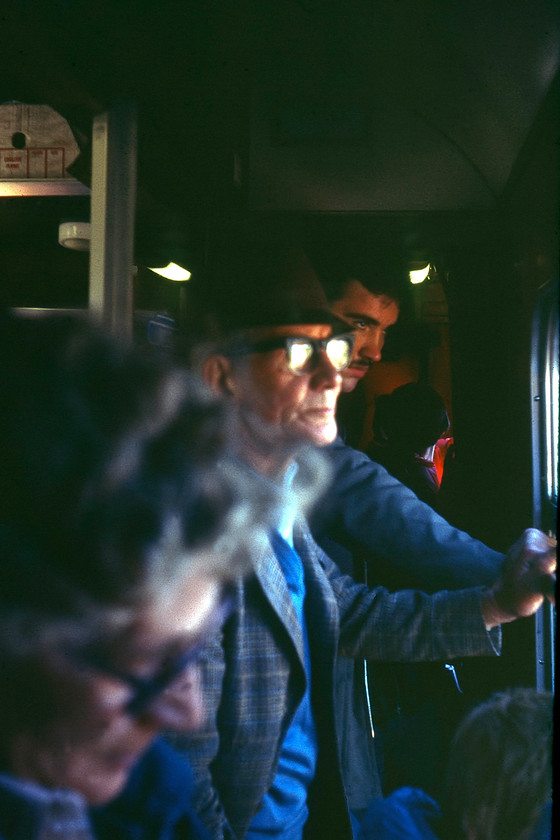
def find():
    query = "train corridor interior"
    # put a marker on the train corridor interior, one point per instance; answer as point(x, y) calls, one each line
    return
point(428, 125)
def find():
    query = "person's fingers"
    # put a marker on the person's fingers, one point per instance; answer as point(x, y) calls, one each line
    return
point(548, 587)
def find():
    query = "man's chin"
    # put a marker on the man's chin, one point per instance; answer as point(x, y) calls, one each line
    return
point(349, 382)
point(317, 435)
point(327, 435)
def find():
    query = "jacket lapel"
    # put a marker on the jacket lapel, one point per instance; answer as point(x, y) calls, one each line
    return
point(323, 621)
point(275, 589)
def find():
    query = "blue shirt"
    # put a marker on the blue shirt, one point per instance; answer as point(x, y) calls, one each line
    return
point(284, 811)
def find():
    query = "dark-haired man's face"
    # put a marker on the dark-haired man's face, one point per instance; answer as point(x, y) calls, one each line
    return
point(369, 316)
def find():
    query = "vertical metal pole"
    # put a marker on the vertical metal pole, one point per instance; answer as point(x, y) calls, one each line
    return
point(544, 356)
point(113, 202)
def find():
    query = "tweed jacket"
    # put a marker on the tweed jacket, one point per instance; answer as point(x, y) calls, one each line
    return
point(254, 679)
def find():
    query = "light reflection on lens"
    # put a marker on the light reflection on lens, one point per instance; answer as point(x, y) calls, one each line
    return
point(300, 353)
point(339, 352)
point(303, 354)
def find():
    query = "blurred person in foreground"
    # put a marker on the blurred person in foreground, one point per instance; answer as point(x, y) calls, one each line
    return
point(498, 779)
point(119, 534)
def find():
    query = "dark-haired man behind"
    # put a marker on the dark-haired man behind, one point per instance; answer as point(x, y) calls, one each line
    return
point(377, 529)
point(368, 510)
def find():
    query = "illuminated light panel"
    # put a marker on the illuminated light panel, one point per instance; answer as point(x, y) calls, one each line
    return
point(172, 271)
point(63, 186)
point(419, 275)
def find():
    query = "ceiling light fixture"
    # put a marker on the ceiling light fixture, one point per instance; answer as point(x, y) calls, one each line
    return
point(172, 271)
point(418, 275)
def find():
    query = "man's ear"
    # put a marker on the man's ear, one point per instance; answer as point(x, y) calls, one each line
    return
point(217, 372)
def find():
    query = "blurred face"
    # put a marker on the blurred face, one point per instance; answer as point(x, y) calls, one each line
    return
point(295, 408)
point(370, 316)
point(92, 738)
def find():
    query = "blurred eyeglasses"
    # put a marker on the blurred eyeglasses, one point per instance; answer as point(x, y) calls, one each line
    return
point(147, 689)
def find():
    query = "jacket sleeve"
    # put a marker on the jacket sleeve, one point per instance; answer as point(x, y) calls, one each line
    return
point(408, 625)
point(371, 514)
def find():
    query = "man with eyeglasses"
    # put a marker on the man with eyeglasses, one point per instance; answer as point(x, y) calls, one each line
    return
point(267, 762)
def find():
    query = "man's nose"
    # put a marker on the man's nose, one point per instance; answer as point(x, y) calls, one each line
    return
point(325, 375)
point(373, 346)
point(180, 707)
